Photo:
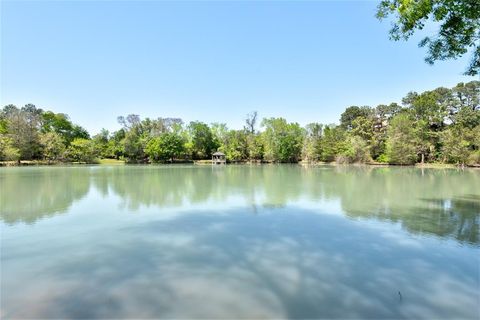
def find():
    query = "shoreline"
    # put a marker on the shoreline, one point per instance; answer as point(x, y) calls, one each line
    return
point(114, 162)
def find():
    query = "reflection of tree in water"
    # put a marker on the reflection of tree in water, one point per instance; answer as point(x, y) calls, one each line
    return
point(168, 186)
point(28, 194)
point(458, 218)
point(159, 186)
point(393, 194)
point(436, 202)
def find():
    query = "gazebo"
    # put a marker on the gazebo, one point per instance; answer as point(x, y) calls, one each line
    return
point(219, 158)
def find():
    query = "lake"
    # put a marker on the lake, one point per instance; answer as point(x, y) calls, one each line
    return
point(259, 241)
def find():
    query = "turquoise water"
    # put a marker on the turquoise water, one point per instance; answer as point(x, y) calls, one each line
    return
point(271, 241)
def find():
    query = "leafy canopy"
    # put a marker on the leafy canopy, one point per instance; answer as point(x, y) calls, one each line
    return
point(459, 27)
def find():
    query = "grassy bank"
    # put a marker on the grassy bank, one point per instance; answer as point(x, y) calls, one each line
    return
point(111, 162)
point(54, 163)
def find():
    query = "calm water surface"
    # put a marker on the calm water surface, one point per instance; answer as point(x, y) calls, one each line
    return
point(239, 242)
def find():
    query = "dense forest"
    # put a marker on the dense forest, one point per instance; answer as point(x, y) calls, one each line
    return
point(442, 125)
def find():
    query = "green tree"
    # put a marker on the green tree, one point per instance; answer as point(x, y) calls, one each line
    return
point(136, 137)
point(429, 106)
point(282, 140)
point(168, 146)
point(236, 145)
point(23, 129)
point(430, 112)
point(115, 146)
point(332, 143)
point(459, 27)
point(468, 94)
point(385, 112)
point(81, 150)
point(464, 110)
point(457, 145)
point(79, 132)
point(383, 115)
point(356, 150)
point(3, 124)
point(474, 157)
point(352, 113)
point(61, 124)
point(7, 151)
point(255, 147)
point(134, 144)
point(312, 141)
point(461, 145)
point(101, 144)
point(220, 134)
point(203, 143)
point(402, 140)
point(53, 145)
point(363, 127)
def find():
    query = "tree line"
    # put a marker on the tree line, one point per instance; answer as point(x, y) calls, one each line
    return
point(441, 125)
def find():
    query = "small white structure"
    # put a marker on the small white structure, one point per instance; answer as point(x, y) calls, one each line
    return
point(219, 158)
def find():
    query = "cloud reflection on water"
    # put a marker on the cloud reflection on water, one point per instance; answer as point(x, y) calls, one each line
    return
point(287, 264)
point(239, 242)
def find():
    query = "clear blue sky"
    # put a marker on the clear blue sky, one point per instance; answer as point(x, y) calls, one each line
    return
point(212, 61)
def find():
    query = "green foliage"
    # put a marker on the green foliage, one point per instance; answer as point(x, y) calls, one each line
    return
point(401, 141)
point(236, 145)
point(356, 150)
point(290, 145)
point(459, 27)
point(81, 150)
point(202, 140)
point(23, 129)
point(332, 143)
point(3, 125)
point(430, 106)
point(79, 132)
point(351, 113)
point(133, 146)
point(459, 145)
point(363, 127)
point(465, 104)
point(312, 141)
point(115, 147)
point(219, 132)
point(255, 147)
point(474, 158)
point(61, 124)
point(385, 112)
point(383, 158)
point(7, 151)
point(168, 146)
point(101, 144)
point(53, 145)
point(382, 116)
point(26, 126)
point(282, 140)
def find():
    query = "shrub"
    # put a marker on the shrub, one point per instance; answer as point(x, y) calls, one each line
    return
point(474, 158)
